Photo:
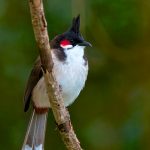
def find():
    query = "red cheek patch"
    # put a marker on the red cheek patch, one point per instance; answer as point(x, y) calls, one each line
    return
point(65, 43)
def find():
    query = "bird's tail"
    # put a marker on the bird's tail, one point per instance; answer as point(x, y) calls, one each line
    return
point(35, 135)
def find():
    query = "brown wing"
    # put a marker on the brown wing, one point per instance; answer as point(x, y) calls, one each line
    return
point(34, 77)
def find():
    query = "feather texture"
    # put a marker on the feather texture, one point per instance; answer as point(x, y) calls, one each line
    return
point(35, 135)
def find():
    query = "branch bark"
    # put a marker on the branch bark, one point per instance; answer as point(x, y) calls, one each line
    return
point(61, 114)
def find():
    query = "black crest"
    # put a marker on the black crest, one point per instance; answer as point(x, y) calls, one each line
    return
point(75, 25)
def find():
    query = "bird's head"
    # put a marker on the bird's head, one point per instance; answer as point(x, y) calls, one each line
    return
point(71, 38)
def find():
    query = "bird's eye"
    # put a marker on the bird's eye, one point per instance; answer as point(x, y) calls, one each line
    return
point(71, 41)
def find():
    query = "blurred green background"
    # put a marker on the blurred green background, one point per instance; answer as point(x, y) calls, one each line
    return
point(113, 110)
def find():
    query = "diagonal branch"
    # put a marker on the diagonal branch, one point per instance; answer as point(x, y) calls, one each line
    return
point(61, 114)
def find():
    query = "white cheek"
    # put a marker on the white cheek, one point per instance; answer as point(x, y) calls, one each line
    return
point(66, 46)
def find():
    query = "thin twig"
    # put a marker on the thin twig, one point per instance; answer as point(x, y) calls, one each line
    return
point(61, 114)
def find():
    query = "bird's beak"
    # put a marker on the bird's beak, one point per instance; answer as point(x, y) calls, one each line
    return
point(85, 43)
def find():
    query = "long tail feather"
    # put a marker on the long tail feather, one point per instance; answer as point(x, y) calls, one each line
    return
point(35, 135)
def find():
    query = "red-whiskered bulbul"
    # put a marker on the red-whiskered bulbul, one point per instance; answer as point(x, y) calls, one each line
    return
point(70, 70)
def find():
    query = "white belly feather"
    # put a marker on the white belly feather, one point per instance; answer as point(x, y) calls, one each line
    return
point(70, 75)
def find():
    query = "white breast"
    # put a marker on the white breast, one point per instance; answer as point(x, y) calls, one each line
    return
point(70, 75)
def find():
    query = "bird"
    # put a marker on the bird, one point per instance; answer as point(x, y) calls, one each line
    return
point(70, 70)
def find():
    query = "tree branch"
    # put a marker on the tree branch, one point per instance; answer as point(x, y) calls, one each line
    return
point(61, 114)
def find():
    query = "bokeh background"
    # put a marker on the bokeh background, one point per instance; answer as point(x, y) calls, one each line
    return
point(113, 110)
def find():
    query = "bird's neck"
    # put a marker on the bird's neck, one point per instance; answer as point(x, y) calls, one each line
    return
point(74, 54)
point(68, 55)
